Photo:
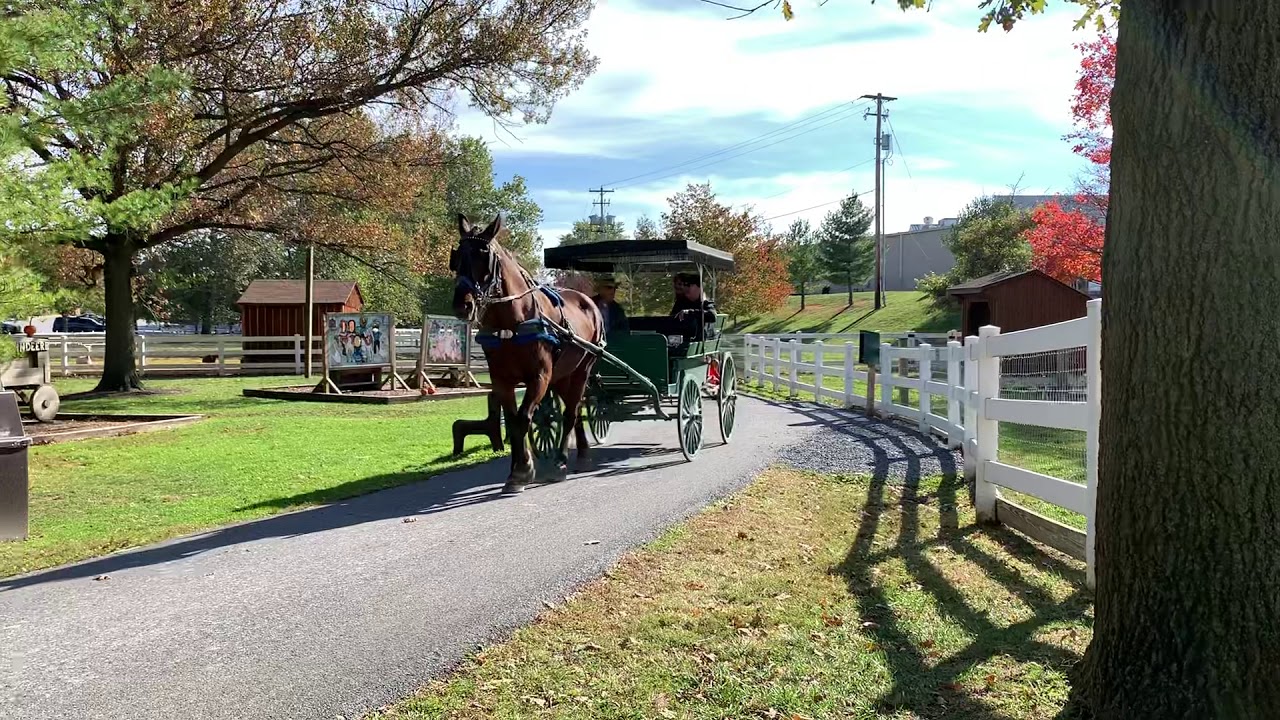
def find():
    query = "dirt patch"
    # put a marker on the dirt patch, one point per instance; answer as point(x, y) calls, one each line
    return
point(67, 426)
point(399, 395)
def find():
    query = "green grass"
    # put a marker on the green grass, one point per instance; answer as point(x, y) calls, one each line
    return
point(903, 311)
point(250, 458)
point(804, 597)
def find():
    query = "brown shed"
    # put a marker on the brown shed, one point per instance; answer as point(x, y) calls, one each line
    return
point(274, 308)
point(1016, 301)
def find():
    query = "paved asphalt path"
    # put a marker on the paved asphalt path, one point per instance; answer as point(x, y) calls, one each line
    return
point(337, 610)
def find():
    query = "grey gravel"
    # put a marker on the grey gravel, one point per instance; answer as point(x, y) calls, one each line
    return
point(849, 442)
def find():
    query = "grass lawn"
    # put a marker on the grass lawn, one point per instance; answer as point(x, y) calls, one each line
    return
point(903, 311)
point(803, 597)
point(250, 458)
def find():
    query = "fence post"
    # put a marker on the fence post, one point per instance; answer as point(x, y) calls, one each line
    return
point(791, 368)
point(954, 438)
point(849, 360)
point(818, 349)
point(141, 347)
point(746, 365)
point(986, 430)
point(65, 370)
point(886, 379)
point(904, 392)
point(1093, 389)
point(924, 352)
point(970, 375)
point(777, 364)
point(297, 354)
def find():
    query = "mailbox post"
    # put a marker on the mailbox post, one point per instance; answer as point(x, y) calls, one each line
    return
point(869, 355)
point(13, 470)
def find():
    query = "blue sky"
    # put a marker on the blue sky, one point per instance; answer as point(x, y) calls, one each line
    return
point(677, 81)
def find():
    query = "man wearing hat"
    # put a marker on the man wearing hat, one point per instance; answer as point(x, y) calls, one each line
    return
point(615, 318)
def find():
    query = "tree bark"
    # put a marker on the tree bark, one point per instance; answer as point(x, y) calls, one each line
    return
point(802, 296)
point(848, 283)
point(1188, 566)
point(119, 369)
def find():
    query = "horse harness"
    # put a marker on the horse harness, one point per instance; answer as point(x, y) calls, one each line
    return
point(538, 329)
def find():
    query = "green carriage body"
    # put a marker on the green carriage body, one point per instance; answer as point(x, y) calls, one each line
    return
point(642, 374)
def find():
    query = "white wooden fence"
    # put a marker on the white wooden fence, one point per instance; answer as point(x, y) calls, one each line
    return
point(974, 382)
point(158, 354)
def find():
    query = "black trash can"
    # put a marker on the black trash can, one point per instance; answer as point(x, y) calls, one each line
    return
point(13, 470)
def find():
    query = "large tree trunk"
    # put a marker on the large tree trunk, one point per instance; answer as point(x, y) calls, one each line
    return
point(119, 369)
point(1188, 583)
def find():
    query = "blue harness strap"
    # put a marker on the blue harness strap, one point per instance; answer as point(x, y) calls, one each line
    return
point(557, 300)
point(536, 330)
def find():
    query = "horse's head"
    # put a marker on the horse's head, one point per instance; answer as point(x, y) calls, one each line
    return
point(475, 267)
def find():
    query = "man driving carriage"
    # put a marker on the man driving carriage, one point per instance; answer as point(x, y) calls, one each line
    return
point(692, 310)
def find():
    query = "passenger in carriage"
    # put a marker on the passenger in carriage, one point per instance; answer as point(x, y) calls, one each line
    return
point(615, 317)
point(692, 310)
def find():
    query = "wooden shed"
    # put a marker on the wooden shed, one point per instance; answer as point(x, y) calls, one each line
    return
point(1016, 301)
point(275, 308)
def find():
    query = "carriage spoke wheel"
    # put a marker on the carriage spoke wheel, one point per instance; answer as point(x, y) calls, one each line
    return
point(689, 418)
point(547, 427)
point(598, 417)
point(44, 403)
point(727, 397)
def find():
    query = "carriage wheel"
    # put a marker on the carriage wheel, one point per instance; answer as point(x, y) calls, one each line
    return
point(598, 421)
point(727, 397)
point(44, 403)
point(689, 418)
point(547, 427)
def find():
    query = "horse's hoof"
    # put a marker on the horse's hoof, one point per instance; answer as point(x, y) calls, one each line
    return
point(513, 488)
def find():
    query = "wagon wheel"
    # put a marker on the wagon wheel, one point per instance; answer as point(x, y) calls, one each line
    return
point(598, 421)
point(44, 403)
point(689, 418)
point(727, 397)
point(547, 427)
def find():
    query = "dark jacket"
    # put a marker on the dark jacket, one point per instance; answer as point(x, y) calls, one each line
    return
point(615, 318)
point(692, 323)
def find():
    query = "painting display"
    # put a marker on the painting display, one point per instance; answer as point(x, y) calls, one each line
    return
point(445, 340)
point(358, 339)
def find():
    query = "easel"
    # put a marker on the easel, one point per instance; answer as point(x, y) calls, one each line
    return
point(459, 375)
point(329, 387)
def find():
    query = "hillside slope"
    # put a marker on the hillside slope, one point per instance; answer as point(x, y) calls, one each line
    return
point(903, 311)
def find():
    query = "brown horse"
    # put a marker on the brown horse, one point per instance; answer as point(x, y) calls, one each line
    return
point(523, 328)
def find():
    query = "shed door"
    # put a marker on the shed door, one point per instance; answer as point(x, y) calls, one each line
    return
point(979, 315)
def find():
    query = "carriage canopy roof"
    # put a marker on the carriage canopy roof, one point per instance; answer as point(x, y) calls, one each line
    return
point(638, 254)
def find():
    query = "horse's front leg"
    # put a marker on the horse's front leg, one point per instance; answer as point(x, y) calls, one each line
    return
point(570, 391)
point(518, 424)
point(516, 434)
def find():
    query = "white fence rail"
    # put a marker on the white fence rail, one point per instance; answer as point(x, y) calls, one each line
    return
point(158, 354)
point(1044, 381)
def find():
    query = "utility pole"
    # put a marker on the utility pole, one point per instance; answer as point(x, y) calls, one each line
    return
point(880, 114)
point(603, 204)
point(311, 307)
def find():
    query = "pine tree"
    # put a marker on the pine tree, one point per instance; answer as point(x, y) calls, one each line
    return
point(845, 251)
point(803, 263)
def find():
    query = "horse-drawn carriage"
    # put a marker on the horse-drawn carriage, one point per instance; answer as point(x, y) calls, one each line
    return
point(552, 341)
point(651, 371)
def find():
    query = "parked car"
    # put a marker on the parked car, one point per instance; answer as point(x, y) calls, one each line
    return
point(9, 328)
point(82, 323)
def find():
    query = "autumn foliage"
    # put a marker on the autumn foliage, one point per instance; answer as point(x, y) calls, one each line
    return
point(1067, 242)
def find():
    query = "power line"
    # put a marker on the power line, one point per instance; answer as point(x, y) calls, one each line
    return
point(791, 190)
point(898, 141)
point(813, 207)
point(832, 116)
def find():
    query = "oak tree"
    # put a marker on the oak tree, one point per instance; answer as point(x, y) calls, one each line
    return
point(149, 120)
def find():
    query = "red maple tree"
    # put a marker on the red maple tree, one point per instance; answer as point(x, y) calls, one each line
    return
point(1067, 242)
